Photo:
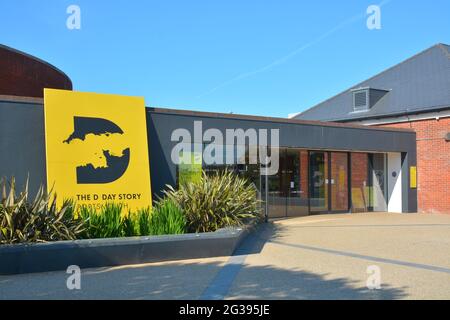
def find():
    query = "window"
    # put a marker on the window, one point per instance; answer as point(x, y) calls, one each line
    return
point(366, 98)
point(361, 100)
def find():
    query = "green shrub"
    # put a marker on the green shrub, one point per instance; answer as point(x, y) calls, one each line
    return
point(22, 221)
point(130, 226)
point(167, 218)
point(221, 200)
point(110, 222)
point(143, 221)
point(105, 223)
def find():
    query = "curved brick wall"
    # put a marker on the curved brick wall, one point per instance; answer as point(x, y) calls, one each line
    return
point(27, 76)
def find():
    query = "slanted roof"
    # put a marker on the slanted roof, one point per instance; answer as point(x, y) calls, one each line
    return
point(418, 84)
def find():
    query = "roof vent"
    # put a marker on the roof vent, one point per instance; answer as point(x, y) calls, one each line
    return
point(366, 98)
point(360, 99)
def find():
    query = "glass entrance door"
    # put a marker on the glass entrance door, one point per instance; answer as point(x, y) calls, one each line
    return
point(328, 178)
point(378, 182)
point(318, 182)
point(276, 190)
point(287, 190)
point(308, 182)
point(339, 182)
point(296, 177)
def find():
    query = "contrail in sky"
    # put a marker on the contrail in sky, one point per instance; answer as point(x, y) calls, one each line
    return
point(292, 54)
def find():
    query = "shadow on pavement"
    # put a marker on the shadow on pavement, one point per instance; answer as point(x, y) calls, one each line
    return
point(255, 241)
point(188, 281)
point(191, 279)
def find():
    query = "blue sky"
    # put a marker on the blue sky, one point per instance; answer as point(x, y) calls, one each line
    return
point(268, 58)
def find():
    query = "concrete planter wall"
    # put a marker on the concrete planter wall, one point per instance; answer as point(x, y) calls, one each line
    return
point(29, 258)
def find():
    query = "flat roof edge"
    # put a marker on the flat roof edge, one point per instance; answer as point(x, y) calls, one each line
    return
point(32, 100)
point(271, 119)
point(396, 114)
point(9, 98)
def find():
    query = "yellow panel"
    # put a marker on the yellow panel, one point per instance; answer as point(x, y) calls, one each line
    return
point(358, 202)
point(97, 150)
point(413, 177)
point(342, 177)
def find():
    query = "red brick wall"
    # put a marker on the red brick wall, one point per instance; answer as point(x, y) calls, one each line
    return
point(304, 159)
point(433, 164)
point(23, 75)
point(359, 168)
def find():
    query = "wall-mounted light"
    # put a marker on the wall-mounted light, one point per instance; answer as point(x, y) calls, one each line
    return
point(447, 137)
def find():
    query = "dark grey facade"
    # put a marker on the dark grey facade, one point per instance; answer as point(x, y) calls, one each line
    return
point(293, 134)
point(22, 141)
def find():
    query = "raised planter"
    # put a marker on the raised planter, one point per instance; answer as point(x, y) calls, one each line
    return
point(29, 258)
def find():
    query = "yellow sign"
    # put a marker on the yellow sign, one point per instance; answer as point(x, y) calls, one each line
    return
point(413, 177)
point(97, 150)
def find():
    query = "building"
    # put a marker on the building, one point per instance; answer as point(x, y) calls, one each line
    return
point(322, 167)
point(24, 75)
point(413, 94)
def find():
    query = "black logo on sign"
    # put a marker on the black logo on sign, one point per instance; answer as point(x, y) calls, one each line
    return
point(116, 165)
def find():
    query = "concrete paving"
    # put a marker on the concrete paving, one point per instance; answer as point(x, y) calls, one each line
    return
point(316, 257)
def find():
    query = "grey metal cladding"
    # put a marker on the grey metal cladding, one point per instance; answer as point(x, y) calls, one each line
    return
point(418, 84)
point(376, 95)
point(306, 135)
point(22, 141)
point(22, 136)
